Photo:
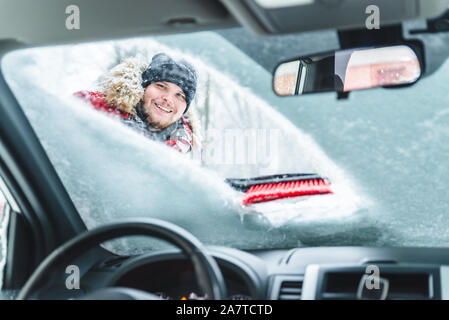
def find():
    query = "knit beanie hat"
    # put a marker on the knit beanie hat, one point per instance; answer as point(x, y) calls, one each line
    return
point(181, 73)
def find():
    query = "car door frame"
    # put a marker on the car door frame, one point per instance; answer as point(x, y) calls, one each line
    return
point(47, 216)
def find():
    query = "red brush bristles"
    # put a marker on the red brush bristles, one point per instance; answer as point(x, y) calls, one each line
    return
point(274, 191)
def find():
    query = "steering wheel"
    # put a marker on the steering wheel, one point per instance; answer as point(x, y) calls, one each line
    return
point(206, 269)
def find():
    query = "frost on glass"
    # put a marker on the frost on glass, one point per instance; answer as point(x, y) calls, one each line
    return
point(112, 172)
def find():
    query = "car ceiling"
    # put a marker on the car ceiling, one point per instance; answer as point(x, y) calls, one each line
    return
point(43, 22)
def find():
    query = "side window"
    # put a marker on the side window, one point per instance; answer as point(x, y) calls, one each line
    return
point(7, 204)
point(2, 206)
point(3, 227)
point(9, 273)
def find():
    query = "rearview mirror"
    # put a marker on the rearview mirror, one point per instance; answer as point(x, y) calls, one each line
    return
point(348, 70)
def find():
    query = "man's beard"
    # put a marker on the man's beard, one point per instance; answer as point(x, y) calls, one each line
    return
point(152, 124)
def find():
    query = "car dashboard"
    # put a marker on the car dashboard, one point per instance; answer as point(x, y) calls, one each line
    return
point(316, 273)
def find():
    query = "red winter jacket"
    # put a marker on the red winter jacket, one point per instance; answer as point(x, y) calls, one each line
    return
point(178, 135)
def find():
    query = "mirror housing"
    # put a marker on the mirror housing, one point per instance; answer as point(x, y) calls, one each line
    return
point(348, 70)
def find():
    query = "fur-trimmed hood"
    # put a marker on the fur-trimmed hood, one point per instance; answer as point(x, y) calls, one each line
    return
point(122, 87)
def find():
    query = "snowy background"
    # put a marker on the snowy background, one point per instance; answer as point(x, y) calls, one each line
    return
point(385, 151)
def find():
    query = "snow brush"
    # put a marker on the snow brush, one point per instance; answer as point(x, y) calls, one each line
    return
point(269, 188)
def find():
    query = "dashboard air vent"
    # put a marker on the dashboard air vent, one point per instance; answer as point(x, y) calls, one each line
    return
point(290, 290)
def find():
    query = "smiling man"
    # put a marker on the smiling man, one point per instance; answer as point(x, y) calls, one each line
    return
point(153, 99)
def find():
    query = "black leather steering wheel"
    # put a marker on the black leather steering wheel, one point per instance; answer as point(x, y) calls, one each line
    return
point(206, 269)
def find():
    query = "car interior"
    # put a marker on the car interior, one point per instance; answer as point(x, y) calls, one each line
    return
point(43, 233)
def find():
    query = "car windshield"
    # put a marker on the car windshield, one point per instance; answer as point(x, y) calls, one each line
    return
point(384, 151)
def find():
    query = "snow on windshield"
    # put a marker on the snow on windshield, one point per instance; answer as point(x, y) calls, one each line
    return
point(111, 172)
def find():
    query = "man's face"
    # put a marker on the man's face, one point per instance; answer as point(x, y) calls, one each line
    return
point(163, 103)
